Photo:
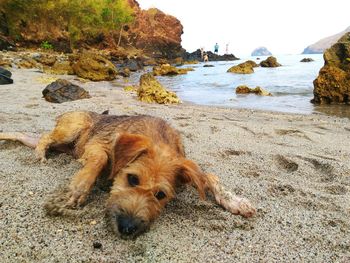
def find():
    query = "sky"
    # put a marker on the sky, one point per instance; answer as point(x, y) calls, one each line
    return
point(283, 26)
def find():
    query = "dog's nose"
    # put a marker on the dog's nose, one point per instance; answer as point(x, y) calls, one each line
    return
point(127, 225)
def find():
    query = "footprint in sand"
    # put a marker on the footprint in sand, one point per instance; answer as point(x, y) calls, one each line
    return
point(325, 168)
point(285, 164)
point(281, 190)
point(336, 189)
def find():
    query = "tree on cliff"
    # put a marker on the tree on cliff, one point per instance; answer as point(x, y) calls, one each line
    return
point(80, 18)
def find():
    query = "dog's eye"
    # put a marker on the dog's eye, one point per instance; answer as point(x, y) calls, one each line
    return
point(133, 180)
point(160, 195)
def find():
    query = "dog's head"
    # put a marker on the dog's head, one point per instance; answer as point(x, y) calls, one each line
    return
point(145, 177)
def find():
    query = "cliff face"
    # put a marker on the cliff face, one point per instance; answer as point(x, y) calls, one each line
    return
point(332, 85)
point(320, 46)
point(152, 32)
point(155, 32)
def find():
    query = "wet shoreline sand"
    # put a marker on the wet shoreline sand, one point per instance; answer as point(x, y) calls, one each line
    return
point(294, 168)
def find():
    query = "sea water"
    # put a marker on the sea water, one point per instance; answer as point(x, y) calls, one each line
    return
point(291, 85)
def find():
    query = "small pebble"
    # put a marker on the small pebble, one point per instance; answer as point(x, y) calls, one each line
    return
point(97, 245)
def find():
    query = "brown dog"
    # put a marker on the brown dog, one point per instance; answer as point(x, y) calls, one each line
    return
point(146, 160)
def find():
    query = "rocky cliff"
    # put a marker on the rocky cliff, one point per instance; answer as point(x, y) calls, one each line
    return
point(155, 32)
point(320, 46)
point(151, 33)
point(332, 85)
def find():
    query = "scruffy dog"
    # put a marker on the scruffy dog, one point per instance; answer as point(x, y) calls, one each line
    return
point(146, 159)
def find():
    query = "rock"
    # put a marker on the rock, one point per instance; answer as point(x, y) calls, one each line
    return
point(5, 77)
point(270, 62)
point(151, 91)
point(94, 67)
point(320, 46)
point(258, 91)
point(4, 62)
point(261, 51)
point(252, 63)
point(208, 66)
point(196, 55)
point(44, 59)
point(332, 85)
point(307, 60)
point(97, 244)
point(168, 70)
point(243, 68)
point(125, 72)
point(60, 68)
point(62, 91)
point(26, 62)
point(133, 65)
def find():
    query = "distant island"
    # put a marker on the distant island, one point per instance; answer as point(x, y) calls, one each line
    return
point(320, 46)
point(261, 51)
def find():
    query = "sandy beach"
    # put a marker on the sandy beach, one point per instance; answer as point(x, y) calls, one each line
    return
point(294, 168)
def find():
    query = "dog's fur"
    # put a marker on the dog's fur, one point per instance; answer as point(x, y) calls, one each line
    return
point(146, 159)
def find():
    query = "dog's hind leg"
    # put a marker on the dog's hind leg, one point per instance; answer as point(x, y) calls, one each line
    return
point(68, 128)
point(30, 140)
point(234, 204)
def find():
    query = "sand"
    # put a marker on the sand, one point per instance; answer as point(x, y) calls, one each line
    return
point(294, 168)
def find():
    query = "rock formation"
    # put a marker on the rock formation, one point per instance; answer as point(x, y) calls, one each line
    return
point(270, 62)
point(168, 70)
point(333, 82)
point(320, 46)
point(261, 51)
point(243, 68)
point(258, 91)
point(5, 76)
point(307, 60)
point(196, 55)
point(62, 91)
point(93, 67)
point(152, 91)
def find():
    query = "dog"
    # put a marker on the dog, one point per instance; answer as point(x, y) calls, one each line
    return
point(146, 161)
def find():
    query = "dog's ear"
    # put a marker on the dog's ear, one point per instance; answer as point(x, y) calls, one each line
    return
point(127, 148)
point(190, 173)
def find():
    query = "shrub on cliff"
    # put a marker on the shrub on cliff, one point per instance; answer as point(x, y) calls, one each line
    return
point(79, 18)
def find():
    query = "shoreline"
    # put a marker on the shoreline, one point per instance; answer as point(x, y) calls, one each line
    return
point(293, 167)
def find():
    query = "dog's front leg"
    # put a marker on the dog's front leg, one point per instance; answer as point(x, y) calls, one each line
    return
point(235, 204)
point(95, 159)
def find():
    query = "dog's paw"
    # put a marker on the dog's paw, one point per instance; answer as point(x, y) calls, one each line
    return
point(76, 198)
point(56, 205)
point(245, 208)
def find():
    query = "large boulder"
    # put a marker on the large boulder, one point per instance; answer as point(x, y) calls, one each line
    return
point(270, 62)
point(62, 91)
point(196, 55)
point(152, 91)
point(5, 76)
point(258, 91)
point(168, 70)
point(307, 60)
point(94, 67)
point(243, 68)
point(60, 68)
point(333, 82)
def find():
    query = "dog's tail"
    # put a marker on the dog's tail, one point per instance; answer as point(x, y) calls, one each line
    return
point(30, 140)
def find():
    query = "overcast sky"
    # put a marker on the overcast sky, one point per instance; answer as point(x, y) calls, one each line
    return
point(283, 26)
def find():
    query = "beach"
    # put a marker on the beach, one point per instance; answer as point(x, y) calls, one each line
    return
point(294, 168)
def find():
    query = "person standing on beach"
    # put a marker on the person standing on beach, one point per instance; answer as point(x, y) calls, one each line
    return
point(202, 53)
point(205, 57)
point(216, 48)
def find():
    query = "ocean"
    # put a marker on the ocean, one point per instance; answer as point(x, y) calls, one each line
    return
point(291, 86)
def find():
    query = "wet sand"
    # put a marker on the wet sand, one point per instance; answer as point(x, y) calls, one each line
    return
point(294, 168)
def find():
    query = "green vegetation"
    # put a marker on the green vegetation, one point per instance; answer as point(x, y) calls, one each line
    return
point(80, 18)
point(46, 45)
